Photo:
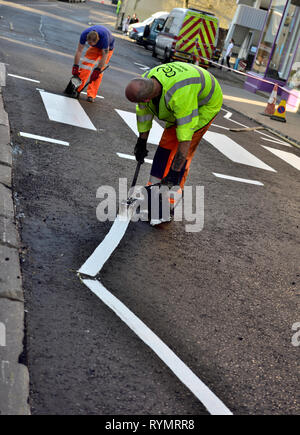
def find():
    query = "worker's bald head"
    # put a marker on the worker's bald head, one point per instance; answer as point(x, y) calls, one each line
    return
point(139, 90)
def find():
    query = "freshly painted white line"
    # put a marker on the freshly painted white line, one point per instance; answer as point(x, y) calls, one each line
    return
point(277, 141)
point(130, 119)
point(220, 126)
point(289, 158)
point(211, 402)
point(24, 78)
point(66, 110)
point(95, 262)
point(242, 180)
point(234, 151)
point(144, 67)
point(228, 116)
point(129, 157)
point(44, 139)
point(97, 96)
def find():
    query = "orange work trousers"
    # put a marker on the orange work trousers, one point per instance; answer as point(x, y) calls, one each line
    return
point(92, 57)
point(166, 151)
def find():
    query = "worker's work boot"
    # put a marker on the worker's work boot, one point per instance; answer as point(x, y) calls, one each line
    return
point(90, 99)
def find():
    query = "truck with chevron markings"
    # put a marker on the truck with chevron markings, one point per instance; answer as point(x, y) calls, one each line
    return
point(189, 35)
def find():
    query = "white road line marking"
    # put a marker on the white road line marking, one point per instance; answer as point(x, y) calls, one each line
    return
point(234, 151)
point(277, 141)
point(220, 126)
point(24, 78)
point(228, 116)
point(97, 96)
point(95, 262)
point(242, 180)
point(289, 158)
point(66, 110)
point(44, 139)
point(211, 402)
point(144, 67)
point(130, 119)
point(129, 157)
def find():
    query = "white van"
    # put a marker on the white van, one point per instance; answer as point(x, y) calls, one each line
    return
point(189, 35)
point(136, 30)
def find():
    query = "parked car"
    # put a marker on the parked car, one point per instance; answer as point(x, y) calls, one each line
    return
point(136, 31)
point(151, 31)
point(188, 34)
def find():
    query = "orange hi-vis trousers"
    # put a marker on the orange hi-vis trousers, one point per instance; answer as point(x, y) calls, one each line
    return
point(166, 151)
point(92, 56)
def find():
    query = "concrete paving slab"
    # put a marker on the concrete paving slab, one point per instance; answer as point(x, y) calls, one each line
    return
point(4, 135)
point(10, 274)
point(6, 154)
point(6, 202)
point(8, 232)
point(5, 175)
point(3, 114)
point(2, 75)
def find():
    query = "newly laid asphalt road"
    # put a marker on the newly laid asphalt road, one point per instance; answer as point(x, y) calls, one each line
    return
point(224, 299)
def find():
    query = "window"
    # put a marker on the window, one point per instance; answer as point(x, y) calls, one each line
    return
point(285, 45)
point(269, 35)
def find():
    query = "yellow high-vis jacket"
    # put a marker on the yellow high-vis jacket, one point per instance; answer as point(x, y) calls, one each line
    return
point(191, 98)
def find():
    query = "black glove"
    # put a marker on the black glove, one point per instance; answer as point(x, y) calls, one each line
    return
point(140, 150)
point(172, 179)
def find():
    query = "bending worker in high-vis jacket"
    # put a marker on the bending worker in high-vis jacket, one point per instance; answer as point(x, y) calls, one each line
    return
point(101, 43)
point(188, 98)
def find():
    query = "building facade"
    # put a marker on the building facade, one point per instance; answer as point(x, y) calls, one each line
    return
point(277, 56)
point(223, 9)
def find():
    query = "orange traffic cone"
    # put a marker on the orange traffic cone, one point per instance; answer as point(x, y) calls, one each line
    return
point(270, 109)
point(279, 114)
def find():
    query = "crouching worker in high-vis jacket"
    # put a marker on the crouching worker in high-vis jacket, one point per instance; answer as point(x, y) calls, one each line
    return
point(188, 98)
point(101, 43)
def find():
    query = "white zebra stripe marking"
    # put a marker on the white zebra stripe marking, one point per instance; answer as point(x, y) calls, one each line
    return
point(130, 119)
point(66, 110)
point(234, 151)
point(289, 158)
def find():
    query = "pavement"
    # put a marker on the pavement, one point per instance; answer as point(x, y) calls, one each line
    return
point(14, 376)
point(237, 99)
